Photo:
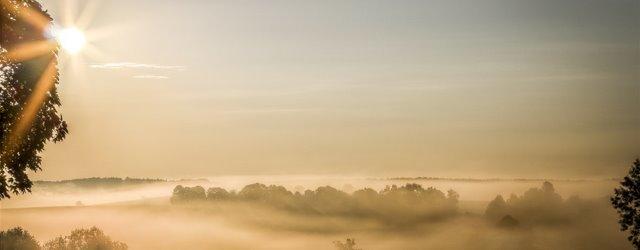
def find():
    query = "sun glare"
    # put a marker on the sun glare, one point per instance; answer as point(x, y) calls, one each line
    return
point(71, 40)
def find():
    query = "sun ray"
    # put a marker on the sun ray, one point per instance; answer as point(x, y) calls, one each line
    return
point(95, 53)
point(87, 14)
point(26, 51)
point(97, 34)
point(68, 12)
point(37, 97)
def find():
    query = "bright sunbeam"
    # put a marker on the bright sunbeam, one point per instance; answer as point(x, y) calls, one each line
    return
point(71, 39)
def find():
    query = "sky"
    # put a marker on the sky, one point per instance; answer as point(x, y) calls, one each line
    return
point(490, 88)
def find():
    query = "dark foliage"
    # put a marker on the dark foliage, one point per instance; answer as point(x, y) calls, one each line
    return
point(17, 239)
point(29, 116)
point(626, 200)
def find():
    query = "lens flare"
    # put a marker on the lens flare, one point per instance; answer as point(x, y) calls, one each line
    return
point(71, 40)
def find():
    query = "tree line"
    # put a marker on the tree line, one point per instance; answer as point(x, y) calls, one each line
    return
point(410, 203)
point(98, 182)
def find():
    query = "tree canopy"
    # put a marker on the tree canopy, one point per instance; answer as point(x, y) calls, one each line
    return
point(626, 200)
point(29, 101)
point(18, 238)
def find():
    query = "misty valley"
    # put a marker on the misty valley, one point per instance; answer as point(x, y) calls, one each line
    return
point(319, 125)
point(316, 212)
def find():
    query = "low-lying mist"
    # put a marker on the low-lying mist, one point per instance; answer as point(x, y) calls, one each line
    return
point(289, 215)
point(94, 191)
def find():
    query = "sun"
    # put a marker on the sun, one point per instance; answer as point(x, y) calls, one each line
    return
point(71, 39)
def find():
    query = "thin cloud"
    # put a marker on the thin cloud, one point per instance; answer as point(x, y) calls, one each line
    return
point(150, 77)
point(130, 65)
point(265, 111)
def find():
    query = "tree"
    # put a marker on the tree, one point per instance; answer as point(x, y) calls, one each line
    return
point(187, 194)
point(17, 239)
point(496, 208)
point(29, 101)
point(626, 200)
point(85, 239)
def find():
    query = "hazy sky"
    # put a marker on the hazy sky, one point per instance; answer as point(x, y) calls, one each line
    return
point(472, 88)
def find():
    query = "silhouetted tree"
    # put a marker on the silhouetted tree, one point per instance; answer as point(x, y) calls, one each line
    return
point(17, 239)
point(85, 239)
point(29, 101)
point(497, 208)
point(539, 205)
point(626, 200)
point(349, 244)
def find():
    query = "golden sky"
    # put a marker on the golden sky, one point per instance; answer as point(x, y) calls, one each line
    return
point(492, 88)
